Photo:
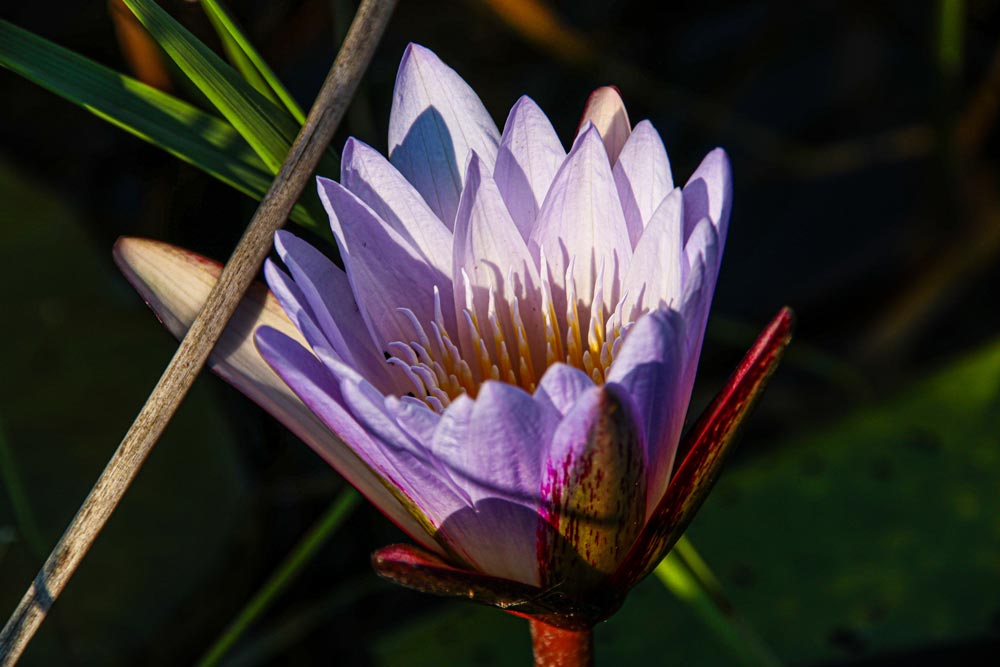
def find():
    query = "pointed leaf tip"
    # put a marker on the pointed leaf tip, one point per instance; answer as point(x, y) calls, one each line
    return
point(706, 446)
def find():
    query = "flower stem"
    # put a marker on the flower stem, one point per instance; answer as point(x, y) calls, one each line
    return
point(555, 647)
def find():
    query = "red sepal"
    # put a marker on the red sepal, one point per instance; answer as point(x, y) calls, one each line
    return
point(412, 567)
point(706, 444)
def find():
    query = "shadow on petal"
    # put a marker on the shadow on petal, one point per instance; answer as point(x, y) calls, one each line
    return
point(496, 536)
point(426, 157)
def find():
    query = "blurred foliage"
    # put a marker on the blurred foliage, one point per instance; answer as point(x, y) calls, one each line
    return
point(851, 528)
point(175, 126)
point(77, 367)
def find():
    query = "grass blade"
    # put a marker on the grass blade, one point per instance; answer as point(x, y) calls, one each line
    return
point(159, 118)
point(300, 556)
point(268, 128)
point(950, 37)
point(689, 578)
point(182, 130)
point(239, 60)
point(247, 59)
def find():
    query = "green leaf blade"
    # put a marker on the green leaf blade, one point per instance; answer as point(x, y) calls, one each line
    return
point(268, 129)
point(182, 130)
point(248, 60)
point(238, 59)
point(156, 117)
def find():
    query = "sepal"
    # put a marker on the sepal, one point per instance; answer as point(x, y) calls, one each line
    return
point(707, 444)
point(422, 571)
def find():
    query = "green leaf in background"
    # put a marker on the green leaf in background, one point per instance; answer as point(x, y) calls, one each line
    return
point(246, 59)
point(236, 57)
point(182, 130)
point(270, 130)
point(818, 542)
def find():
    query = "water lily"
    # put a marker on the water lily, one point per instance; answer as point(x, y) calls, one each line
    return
point(504, 365)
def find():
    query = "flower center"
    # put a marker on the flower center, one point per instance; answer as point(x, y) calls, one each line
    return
point(438, 370)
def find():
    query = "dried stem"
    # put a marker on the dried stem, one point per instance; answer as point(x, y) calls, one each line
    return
point(555, 647)
point(331, 103)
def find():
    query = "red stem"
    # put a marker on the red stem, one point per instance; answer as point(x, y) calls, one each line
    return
point(555, 647)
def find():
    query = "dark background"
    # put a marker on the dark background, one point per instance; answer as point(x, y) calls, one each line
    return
point(859, 521)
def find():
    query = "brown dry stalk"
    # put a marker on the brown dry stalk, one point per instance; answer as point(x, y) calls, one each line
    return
point(331, 103)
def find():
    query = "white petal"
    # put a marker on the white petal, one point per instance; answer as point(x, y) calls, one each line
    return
point(386, 273)
point(529, 157)
point(490, 251)
point(322, 290)
point(643, 177)
point(656, 271)
point(436, 120)
point(175, 283)
point(561, 386)
point(401, 472)
point(510, 431)
point(709, 194)
point(650, 366)
point(582, 220)
point(702, 252)
point(377, 183)
point(606, 110)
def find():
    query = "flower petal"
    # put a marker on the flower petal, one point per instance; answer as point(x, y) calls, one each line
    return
point(490, 251)
point(376, 182)
point(642, 174)
point(296, 306)
point(175, 283)
point(707, 444)
point(436, 120)
point(385, 272)
point(416, 569)
point(709, 194)
point(655, 273)
point(529, 157)
point(414, 417)
point(606, 110)
point(703, 241)
point(326, 296)
point(594, 486)
point(404, 484)
point(492, 448)
point(703, 254)
point(582, 219)
point(650, 367)
point(562, 385)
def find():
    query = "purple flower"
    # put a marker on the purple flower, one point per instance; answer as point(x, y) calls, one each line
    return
point(505, 365)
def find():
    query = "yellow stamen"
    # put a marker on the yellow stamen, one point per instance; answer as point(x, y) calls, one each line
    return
point(438, 372)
